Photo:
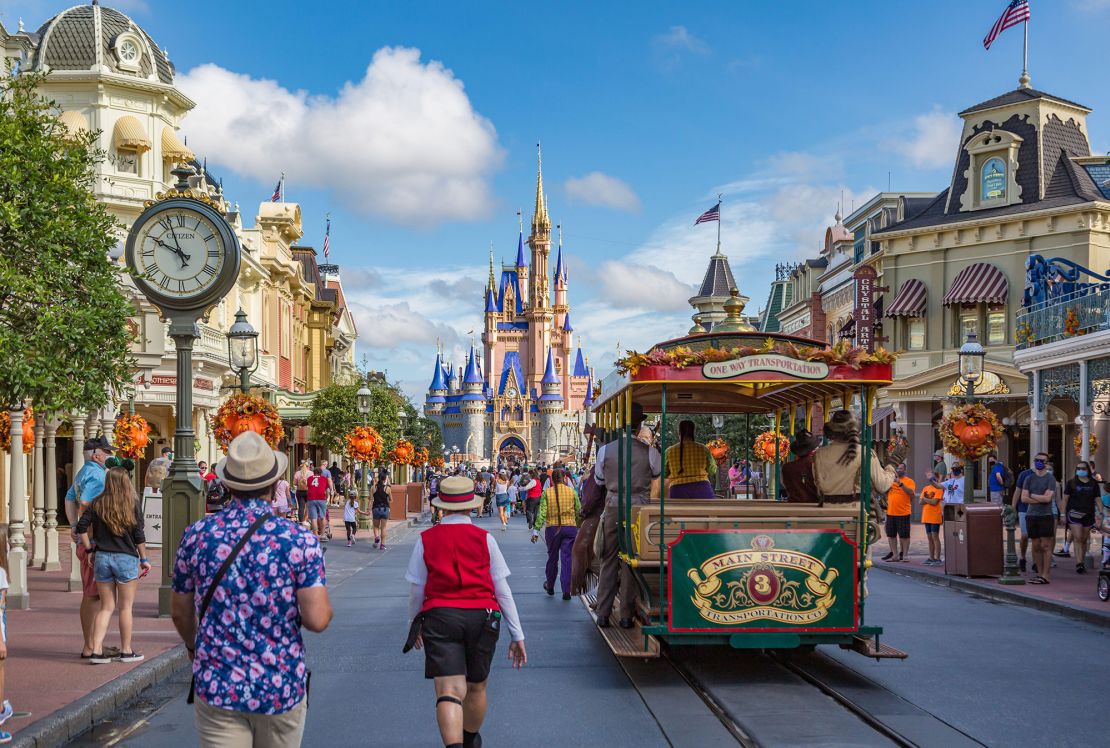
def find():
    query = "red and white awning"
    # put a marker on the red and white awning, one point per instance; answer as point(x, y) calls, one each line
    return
point(910, 301)
point(980, 282)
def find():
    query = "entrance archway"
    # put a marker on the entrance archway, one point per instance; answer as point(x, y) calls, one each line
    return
point(512, 451)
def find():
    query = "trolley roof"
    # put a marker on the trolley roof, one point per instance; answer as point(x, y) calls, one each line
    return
point(743, 373)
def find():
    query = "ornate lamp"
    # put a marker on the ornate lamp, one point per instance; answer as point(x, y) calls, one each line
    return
point(242, 350)
point(971, 364)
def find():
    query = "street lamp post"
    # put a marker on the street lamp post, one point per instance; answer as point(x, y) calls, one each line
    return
point(364, 395)
point(242, 350)
point(971, 372)
point(402, 418)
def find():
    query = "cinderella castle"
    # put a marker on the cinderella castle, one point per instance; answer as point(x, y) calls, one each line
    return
point(525, 396)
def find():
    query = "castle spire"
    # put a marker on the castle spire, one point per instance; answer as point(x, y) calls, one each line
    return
point(491, 284)
point(559, 257)
point(472, 375)
point(539, 217)
point(550, 377)
point(521, 260)
point(438, 382)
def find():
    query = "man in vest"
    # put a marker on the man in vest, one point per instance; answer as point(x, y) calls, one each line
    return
point(460, 592)
point(559, 511)
point(644, 467)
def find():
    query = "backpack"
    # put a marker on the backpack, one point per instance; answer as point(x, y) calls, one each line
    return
point(216, 496)
point(1007, 477)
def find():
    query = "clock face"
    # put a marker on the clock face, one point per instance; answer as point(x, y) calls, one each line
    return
point(511, 392)
point(182, 254)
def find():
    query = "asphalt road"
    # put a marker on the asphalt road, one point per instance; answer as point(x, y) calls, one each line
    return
point(1002, 674)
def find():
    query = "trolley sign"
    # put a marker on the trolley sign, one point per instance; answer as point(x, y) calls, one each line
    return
point(769, 581)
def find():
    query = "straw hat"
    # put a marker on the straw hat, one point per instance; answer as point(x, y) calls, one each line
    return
point(456, 494)
point(250, 463)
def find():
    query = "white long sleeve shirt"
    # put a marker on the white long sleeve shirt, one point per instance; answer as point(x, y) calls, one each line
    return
point(417, 574)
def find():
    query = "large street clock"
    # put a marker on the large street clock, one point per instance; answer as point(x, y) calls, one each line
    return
point(183, 255)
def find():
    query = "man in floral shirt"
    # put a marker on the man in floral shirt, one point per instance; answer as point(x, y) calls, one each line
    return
point(249, 660)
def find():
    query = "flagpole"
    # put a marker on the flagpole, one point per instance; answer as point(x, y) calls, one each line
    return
point(1025, 57)
point(718, 223)
point(283, 187)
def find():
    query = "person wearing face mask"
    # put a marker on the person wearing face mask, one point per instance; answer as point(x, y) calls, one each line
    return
point(899, 500)
point(1103, 521)
point(1039, 493)
point(996, 478)
point(954, 486)
point(1081, 495)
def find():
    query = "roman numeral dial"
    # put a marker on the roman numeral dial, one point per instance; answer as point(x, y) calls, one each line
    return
point(177, 253)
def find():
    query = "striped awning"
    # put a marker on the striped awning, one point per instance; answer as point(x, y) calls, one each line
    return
point(74, 122)
point(172, 147)
point(129, 134)
point(980, 282)
point(910, 300)
point(848, 330)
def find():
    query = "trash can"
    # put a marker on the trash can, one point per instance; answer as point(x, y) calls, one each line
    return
point(973, 540)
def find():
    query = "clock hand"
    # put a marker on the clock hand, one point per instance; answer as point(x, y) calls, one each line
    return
point(181, 254)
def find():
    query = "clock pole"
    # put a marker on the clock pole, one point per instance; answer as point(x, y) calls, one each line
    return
point(182, 490)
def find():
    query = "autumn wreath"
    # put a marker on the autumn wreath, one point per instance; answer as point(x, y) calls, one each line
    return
point(131, 435)
point(364, 444)
point(247, 413)
point(28, 430)
point(402, 454)
point(970, 431)
point(420, 456)
point(718, 447)
point(437, 462)
point(764, 446)
point(1077, 444)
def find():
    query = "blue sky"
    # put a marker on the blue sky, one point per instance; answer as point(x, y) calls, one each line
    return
point(417, 132)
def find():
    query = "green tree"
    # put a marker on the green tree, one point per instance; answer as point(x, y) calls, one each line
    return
point(426, 433)
point(738, 430)
point(334, 413)
point(64, 341)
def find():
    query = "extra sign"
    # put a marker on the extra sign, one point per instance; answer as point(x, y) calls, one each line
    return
point(864, 313)
point(766, 362)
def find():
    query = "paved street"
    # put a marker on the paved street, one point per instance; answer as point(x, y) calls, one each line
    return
point(573, 692)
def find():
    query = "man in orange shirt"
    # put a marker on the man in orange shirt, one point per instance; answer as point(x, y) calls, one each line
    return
point(898, 502)
point(932, 499)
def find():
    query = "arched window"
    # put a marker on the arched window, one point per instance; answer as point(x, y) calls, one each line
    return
point(992, 179)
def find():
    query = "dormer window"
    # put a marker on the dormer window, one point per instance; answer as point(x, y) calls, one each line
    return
point(991, 176)
point(128, 51)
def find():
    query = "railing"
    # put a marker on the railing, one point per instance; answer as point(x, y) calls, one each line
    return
point(1065, 316)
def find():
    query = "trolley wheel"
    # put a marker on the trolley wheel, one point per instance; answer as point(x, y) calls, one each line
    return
point(1103, 588)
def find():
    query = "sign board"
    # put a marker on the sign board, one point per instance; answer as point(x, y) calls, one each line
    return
point(766, 362)
point(152, 517)
point(727, 581)
point(864, 313)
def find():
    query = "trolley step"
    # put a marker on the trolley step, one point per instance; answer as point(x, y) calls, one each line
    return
point(870, 646)
point(631, 642)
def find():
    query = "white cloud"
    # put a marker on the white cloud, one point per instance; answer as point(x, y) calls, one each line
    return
point(403, 143)
point(670, 47)
point(601, 189)
point(628, 284)
point(931, 142)
point(1092, 6)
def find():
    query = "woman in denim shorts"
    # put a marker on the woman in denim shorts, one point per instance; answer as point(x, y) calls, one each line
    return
point(111, 532)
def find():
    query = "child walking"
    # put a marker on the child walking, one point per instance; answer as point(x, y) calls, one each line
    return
point(117, 552)
point(351, 513)
point(5, 707)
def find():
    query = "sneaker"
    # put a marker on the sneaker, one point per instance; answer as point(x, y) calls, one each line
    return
point(6, 713)
point(381, 547)
point(100, 658)
point(566, 595)
point(348, 544)
point(130, 656)
point(1062, 554)
point(888, 557)
point(5, 736)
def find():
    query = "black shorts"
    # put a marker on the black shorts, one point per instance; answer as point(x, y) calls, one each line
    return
point(897, 526)
point(1041, 526)
point(458, 641)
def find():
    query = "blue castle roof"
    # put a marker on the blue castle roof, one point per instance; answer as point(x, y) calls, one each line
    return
point(521, 260)
point(510, 278)
point(511, 363)
point(567, 326)
point(580, 369)
point(559, 263)
point(438, 379)
point(491, 302)
point(472, 375)
point(589, 391)
point(549, 375)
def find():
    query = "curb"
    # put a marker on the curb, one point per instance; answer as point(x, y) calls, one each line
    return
point(65, 724)
point(1002, 595)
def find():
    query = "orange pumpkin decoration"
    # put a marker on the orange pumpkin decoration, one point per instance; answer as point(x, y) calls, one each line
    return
point(28, 430)
point(364, 444)
point(132, 434)
point(242, 413)
point(972, 434)
point(718, 448)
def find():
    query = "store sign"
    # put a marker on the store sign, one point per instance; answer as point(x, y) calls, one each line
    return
point(164, 380)
point(864, 312)
point(152, 516)
point(774, 580)
point(766, 362)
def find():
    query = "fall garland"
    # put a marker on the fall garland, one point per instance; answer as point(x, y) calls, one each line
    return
point(247, 413)
point(718, 447)
point(840, 354)
point(402, 454)
point(1077, 444)
point(764, 446)
point(131, 435)
point(437, 462)
point(28, 430)
point(970, 431)
point(420, 457)
point(1071, 323)
point(364, 444)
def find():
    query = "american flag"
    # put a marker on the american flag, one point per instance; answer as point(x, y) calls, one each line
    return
point(327, 239)
point(1016, 12)
point(713, 214)
point(277, 190)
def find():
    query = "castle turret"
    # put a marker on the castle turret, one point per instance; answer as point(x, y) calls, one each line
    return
point(560, 306)
point(437, 392)
point(521, 258)
point(539, 313)
point(472, 404)
point(550, 404)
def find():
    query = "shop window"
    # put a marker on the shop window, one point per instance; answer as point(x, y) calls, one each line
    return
point(996, 327)
point(969, 324)
point(915, 334)
point(127, 161)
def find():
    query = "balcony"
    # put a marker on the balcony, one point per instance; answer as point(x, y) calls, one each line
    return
point(1064, 316)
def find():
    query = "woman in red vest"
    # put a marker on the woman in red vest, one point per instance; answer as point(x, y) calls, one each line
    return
point(460, 593)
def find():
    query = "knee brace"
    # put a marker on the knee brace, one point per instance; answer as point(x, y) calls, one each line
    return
point(449, 700)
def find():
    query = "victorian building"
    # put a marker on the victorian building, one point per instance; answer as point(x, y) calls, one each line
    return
point(525, 394)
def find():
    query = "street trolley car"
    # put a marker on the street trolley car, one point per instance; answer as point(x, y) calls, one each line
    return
point(752, 574)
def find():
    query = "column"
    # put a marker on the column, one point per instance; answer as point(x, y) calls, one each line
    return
point(78, 422)
point(1038, 421)
point(1084, 413)
point(18, 597)
point(50, 560)
point(38, 520)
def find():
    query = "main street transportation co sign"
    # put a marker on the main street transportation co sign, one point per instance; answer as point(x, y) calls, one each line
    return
point(766, 362)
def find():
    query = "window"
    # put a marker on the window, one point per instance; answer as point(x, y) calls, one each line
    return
point(996, 327)
point(859, 245)
point(992, 180)
point(915, 334)
point(127, 162)
point(969, 324)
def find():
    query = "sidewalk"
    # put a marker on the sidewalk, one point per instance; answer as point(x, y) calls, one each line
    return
point(44, 674)
point(1069, 594)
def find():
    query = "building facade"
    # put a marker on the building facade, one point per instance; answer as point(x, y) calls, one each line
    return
point(525, 395)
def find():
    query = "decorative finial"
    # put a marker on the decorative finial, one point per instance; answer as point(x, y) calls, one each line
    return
point(539, 216)
point(491, 284)
point(21, 23)
point(1023, 81)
